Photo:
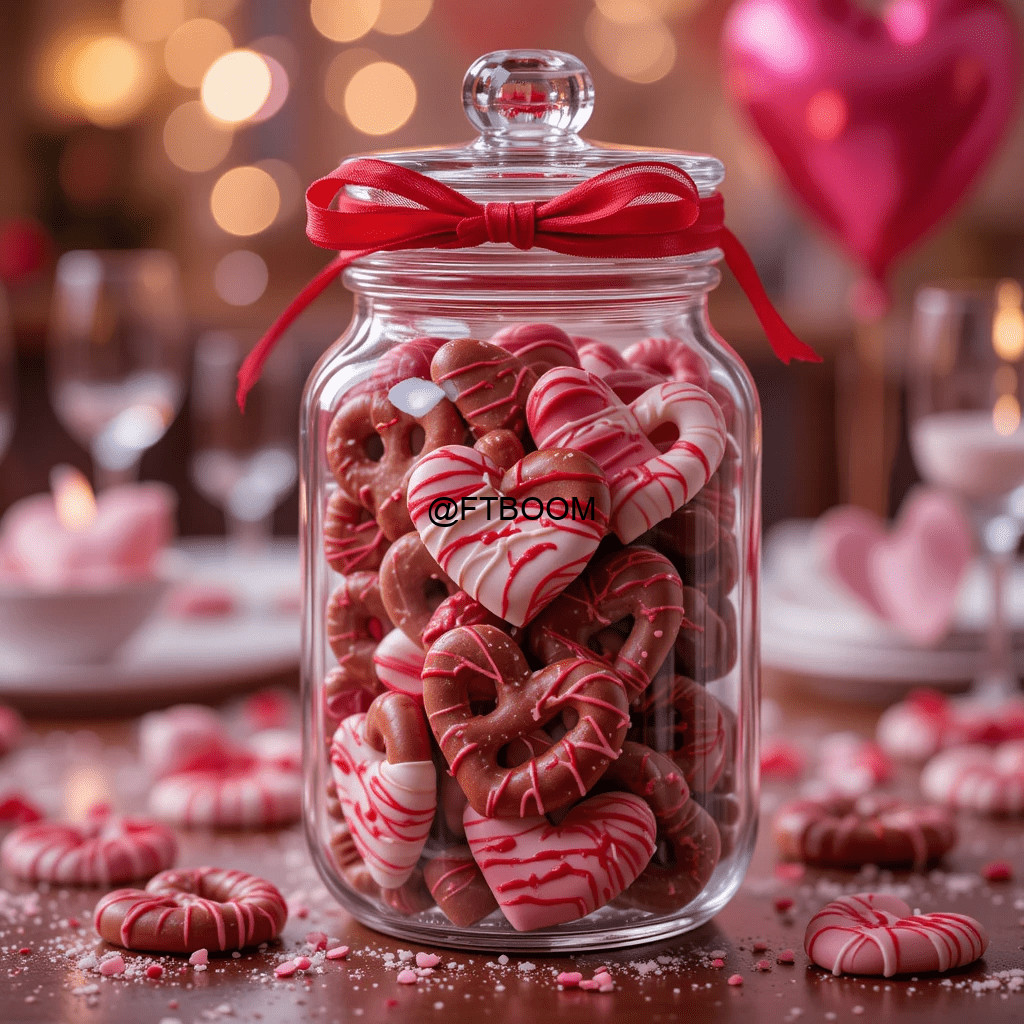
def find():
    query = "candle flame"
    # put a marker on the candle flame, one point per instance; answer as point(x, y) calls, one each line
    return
point(1006, 415)
point(72, 498)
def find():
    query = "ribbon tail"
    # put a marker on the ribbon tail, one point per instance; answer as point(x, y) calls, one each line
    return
point(785, 344)
point(250, 370)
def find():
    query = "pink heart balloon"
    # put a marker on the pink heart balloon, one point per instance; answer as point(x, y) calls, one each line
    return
point(909, 575)
point(880, 124)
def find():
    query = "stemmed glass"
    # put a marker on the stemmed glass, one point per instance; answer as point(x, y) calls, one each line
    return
point(117, 354)
point(965, 395)
point(7, 388)
point(244, 465)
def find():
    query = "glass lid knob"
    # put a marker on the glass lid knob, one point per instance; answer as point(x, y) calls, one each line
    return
point(528, 94)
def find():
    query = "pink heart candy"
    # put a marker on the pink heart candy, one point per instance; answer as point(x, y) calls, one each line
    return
point(571, 408)
point(543, 874)
point(875, 933)
point(388, 807)
point(514, 566)
point(909, 575)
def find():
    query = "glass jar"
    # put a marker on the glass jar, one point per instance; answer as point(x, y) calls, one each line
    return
point(531, 528)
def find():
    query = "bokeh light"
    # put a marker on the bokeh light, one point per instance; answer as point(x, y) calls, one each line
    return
point(344, 20)
point(380, 98)
point(151, 20)
point(245, 200)
point(642, 52)
point(240, 277)
point(193, 140)
point(289, 184)
point(237, 85)
point(110, 79)
point(192, 48)
point(340, 71)
point(1008, 322)
point(279, 86)
point(635, 12)
point(1006, 415)
point(397, 17)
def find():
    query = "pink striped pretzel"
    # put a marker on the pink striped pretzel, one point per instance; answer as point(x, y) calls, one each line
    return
point(543, 874)
point(570, 408)
point(387, 785)
point(105, 849)
point(201, 908)
point(876, 934)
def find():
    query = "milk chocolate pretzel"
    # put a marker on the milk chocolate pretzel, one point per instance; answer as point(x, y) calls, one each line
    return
point(353, 540)
point(481, 696)
point(395, 726)
point(458, 886)
point(676, 715)
point(461, 610)
point(411, 897)
point(688, 842)
point(372, 447)
point(706, 644)
point(488, 385)
point(626, 607)
point(847, 832)
point(356, 622)
point(412, 585)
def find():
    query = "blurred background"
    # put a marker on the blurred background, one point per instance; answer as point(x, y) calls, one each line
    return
point(193, 126)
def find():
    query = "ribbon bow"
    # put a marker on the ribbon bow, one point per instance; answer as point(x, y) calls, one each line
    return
point(637, 211)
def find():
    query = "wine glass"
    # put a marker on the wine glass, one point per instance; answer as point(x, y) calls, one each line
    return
point(7, 379)
point(245, 465)
point(965, 395)
point(117, 354)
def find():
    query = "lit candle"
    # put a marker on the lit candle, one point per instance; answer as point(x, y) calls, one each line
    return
point(70, 538)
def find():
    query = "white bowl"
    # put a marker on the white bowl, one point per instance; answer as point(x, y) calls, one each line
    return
point(74, 626)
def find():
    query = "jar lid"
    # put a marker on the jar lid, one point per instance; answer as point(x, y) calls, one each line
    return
point(529, 107)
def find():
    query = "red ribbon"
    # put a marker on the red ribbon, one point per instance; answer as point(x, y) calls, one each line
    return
point(637, 211)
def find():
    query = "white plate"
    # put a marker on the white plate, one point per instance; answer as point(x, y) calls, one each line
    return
point(811, 625)
point(187, 658)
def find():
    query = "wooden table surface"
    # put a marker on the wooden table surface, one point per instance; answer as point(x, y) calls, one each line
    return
point(662, 982)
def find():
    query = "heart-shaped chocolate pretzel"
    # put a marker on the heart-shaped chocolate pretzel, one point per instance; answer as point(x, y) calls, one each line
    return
point(626, 608)
point(488, 385)
point(481, 697)
point(387, 785)
point(412, 585)
point(512, 566)
point(356, 622)
point(570, 408)
point(372, 447)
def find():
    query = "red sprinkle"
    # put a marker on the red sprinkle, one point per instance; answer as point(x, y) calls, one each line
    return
point(570, 979)
point(154, 971)
point(427, 959)
point(997, 871)
point(390, 1003)
point(736, 979)
point(718, 962)
point(338, 953)
point(303, 963)
point(783, 903)
point(25, 951)
point(73, 922)
point(759, 946)
point(287, 969)
point(318, 940)
point(407, 977)
point(763, 965)
point(588, 984)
